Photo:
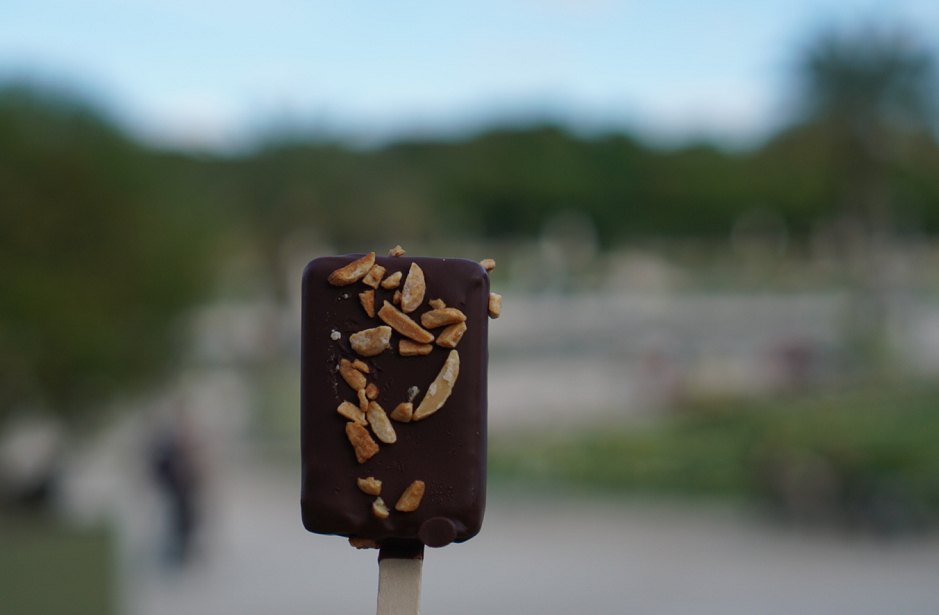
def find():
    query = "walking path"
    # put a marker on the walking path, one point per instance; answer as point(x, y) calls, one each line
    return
point(538, 557)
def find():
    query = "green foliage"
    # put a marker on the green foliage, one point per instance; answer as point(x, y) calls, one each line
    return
point(873, 93)
point(94, 262)
point(869, 81)
point(48, 569)
point(862, 438)
point(509, 184)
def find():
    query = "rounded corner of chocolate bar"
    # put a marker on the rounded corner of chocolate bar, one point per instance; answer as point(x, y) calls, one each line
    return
point(311, 272)
point(475, 267)
point(309, 522)
point(471, 532)
point(317, 265)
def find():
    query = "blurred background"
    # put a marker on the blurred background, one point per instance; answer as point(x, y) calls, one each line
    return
point(715, 384)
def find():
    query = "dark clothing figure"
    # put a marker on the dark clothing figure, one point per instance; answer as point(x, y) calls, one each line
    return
point(175, 471)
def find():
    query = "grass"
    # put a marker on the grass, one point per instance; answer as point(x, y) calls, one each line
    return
point(864, 443)
point(46, 569)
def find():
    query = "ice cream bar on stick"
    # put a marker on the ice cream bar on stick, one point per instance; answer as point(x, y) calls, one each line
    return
point(393, 407)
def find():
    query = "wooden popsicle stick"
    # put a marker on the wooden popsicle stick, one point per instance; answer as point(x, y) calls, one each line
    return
point(399, 580)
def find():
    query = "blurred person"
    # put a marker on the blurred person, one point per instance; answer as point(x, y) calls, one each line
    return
point(177, 471)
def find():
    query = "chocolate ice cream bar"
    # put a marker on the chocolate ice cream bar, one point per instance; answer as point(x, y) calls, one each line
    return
point(393, 398)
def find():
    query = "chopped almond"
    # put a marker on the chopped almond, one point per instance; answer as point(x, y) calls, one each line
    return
point(488, 264)
point(411, 498)
point(410, 348)
point(412, 294)
point(351, 412)
point(403, 324)
point(353, 377)
point(439, 390)
point(374, 276)
point(380, 424)
point(363, 401)
point(442, 317)
point(452, 335)
point(437, 304)
point(371, 391)
point(363, 543)
point(361, 365)
point(352, 272)
point(396, 251)
point(402, 412)
point(397, 297)
point(364, 446)
point(495, 305)
point(392, 281)
point(367, 299)
point(371, 342)
point(370, 485)
point(379, 508)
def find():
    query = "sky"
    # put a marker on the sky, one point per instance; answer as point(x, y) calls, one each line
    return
point(219, 73)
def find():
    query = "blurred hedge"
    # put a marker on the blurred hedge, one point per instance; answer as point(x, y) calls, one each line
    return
point(861, 457)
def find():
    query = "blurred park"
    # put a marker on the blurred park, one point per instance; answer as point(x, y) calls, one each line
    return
point(708, 350)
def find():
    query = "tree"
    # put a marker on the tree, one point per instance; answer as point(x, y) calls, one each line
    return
point(95, 262)
point(871, 90)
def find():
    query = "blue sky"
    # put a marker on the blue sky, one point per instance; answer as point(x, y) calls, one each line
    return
point(215, 73)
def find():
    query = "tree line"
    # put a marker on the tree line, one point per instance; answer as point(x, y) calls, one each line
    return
point(105, 240)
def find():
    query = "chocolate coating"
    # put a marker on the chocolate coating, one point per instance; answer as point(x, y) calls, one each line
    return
point(446, 450)
point(437, 532)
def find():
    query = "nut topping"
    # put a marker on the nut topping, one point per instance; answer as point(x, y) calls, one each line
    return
point(495, 305)
point(353, 272)
point(392, 281)
point(363, 444)
point(371, 391)
point(437, 304)
point(371, 342)
point(396, 251)
point(374, 276)
point(412, 392)
point(370, 485)
point(409, 348)
point(397, 297)
point(380, 424)
point(440, 389)
point(488, 264)
point(363, 543)
point(351, 412)
point(442, 317)
point(367, 298)
point(402, 412)
point(403, 324)
point(412, 294)
point(363, 401)
point(379, 508)
point(452, 335)
point(361, 365)
point(411, 498)
point(353, 377)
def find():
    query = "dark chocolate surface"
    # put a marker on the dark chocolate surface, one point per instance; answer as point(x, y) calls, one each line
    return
point(446, 450)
